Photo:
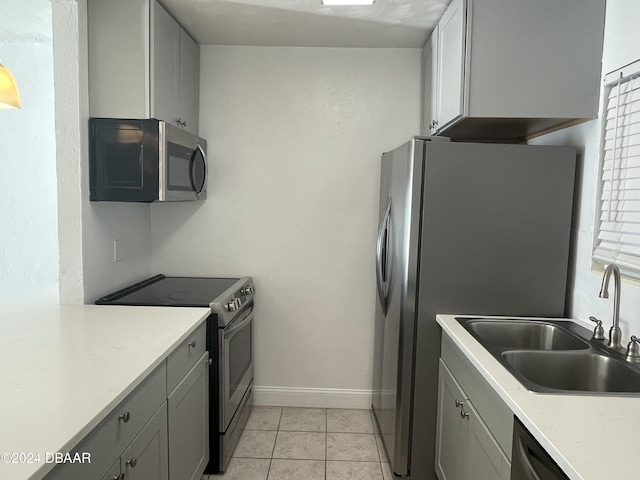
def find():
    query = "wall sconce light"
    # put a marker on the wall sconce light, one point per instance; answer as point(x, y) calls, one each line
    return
point(9, 97)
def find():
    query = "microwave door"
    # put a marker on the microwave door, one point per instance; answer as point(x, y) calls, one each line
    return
point(183, 171)
point(199, 173)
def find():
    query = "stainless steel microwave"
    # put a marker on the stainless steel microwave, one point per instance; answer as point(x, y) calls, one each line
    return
point(145, 161)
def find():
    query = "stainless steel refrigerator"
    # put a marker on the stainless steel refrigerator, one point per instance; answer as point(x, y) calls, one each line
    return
point(463, 228)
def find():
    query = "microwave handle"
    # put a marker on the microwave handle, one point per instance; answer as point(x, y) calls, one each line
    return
point(199, 154)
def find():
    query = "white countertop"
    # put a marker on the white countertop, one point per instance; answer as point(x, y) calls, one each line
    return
point(63, 368)
point(590, 437)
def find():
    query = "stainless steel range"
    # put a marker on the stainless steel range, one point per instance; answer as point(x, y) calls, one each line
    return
point(229, 341)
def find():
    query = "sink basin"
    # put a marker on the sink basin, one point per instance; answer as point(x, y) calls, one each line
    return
point(555, 356)
point(574, 371)
point(525, 334)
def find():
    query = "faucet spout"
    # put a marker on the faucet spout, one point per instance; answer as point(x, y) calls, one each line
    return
point(615, 334)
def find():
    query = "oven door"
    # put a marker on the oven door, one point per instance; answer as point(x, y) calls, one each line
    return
point(235, 343)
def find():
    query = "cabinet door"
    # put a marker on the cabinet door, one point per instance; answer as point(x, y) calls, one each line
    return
point(147, 458)
point(165, 65)
point(430, 84)
point(189, 423)
point(451, 427)
point(483, 457)
point(118, 41)
point(114, 472)
point(451, 62)
point(189, 82)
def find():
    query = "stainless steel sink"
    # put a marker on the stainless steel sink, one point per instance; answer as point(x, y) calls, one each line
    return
point(525, 334)
point(574, 371)
point(555, 356)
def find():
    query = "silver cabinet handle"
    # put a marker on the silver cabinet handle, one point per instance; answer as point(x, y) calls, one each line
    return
point(210, 361)
point(459, 403)
point(133, 461)
point(192, 344)
point(125, 417)
point(464, 414)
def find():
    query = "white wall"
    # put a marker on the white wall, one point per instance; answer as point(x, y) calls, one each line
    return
point(294, 138)
point(28, 204)
point(88, 230)
point(621, 47)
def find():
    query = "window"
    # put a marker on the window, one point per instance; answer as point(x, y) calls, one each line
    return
point(617, 235)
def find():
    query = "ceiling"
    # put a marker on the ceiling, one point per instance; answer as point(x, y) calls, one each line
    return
point(308, 23)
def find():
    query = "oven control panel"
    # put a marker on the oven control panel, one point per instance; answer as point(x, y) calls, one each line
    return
point(240, 298)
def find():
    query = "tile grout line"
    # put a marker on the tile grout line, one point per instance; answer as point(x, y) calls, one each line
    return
point(326, 443)
point(273, 450)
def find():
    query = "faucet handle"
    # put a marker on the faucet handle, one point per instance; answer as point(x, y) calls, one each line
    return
point(598, 331)
point(633, 350)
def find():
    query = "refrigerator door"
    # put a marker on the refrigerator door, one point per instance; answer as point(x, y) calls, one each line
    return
point(397, 268)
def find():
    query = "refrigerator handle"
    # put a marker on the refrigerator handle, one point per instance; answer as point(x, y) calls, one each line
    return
point(383, 258)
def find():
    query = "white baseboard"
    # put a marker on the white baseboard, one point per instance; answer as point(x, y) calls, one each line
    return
point(312, 397)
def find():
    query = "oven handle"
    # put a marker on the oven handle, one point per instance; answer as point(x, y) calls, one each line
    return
point(242, 323)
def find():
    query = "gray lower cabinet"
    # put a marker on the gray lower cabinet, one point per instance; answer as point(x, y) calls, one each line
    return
point(146, 457)
point(126, 426)
point(466, 446)
point(114, 472)
point(451, 429)
point(151, 435)
point(189, 423)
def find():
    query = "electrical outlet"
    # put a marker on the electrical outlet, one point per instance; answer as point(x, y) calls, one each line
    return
point(117, 250)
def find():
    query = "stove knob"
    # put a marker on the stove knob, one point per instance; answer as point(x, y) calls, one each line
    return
point(238, 303)
point(232, 306)
point(248, 290)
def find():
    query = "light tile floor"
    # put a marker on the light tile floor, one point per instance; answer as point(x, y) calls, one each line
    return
point(282, 443)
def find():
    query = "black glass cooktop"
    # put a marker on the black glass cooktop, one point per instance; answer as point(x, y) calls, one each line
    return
point(170, 291)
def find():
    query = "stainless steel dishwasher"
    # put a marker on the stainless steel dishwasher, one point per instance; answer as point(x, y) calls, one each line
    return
point(529, 460)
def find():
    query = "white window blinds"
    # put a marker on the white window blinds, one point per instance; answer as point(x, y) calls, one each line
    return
point(617, 236)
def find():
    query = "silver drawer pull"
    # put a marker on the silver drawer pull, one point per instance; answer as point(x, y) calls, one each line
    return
point(125, 417)
point(192, 344)
point(459, 403)
point(133, 461)
point(464, 414)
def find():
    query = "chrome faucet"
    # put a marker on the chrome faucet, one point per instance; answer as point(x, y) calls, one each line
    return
point(615, 334)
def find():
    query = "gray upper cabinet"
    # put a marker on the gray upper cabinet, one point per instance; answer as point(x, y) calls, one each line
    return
point(142, 64)
point(450, 64)
point(430, 82)
point(189, 82)
point(511, 70)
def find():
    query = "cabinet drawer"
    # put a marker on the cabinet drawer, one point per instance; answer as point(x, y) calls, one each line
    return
point(111, 437)
point(184, 356)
